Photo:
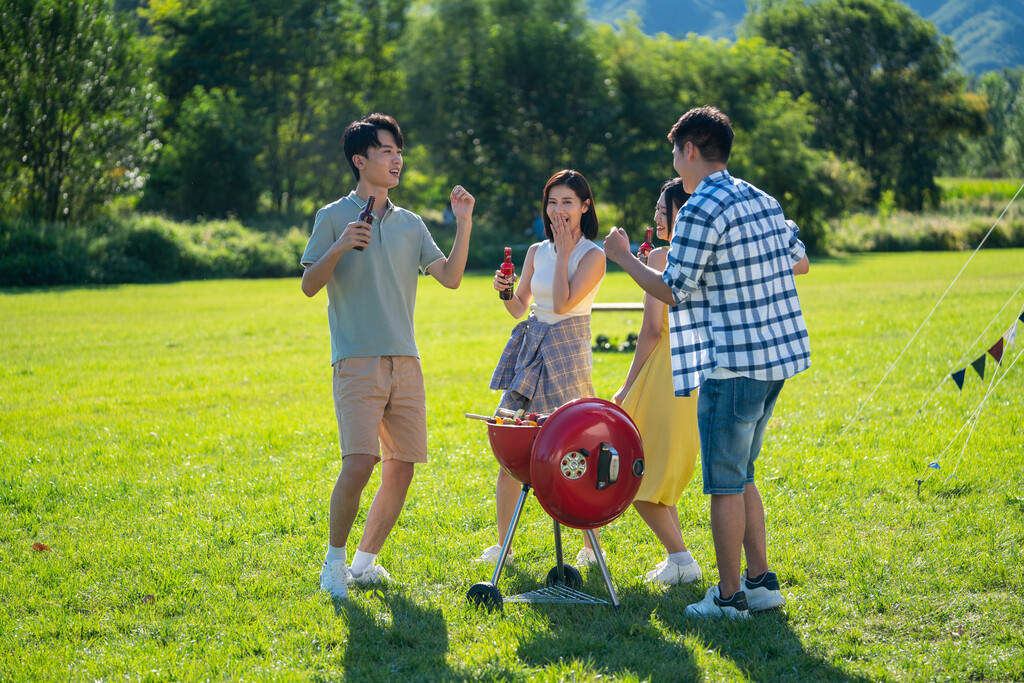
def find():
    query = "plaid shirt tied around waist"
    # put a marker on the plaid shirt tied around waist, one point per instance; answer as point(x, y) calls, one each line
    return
point(730, 267)
point(544, 366)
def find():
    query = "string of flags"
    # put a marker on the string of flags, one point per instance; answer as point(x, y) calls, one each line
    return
point(998, 351)
point(1005, 342)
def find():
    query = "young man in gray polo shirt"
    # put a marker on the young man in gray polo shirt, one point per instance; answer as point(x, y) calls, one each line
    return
point(370, 270)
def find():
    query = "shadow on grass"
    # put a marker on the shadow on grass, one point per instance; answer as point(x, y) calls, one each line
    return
point(955, 491)
point(399, 640)
point(763, 648)
point(607, 641)
point(649, 637)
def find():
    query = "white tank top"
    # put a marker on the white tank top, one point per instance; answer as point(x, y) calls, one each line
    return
point(543, 283)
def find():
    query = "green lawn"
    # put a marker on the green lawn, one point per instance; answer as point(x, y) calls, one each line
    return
point(175, 446)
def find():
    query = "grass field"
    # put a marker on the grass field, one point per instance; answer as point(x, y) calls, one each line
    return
point(175, 446)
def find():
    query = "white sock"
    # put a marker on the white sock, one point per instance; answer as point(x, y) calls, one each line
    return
point(334, 554)
point(360, 561)
point(682, 559)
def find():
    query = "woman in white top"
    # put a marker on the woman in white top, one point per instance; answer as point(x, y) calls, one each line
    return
point(547, 360)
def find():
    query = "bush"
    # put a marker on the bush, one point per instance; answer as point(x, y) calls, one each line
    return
point(139, 248)
point(924, 232)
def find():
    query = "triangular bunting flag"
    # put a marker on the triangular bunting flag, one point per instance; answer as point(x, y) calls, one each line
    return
point(979, 366)
point(996, 351)
point(1021, 317)
point(958, 377)
point(1011, 336)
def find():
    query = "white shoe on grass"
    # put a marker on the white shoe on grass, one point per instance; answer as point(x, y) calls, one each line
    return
point(712, 606)
point(668, 573)
point(334, 579)
point(373, 575)
point(492, 554)
point(586, 556)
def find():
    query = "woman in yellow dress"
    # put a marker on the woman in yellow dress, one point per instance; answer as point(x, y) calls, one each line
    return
point(667, 423)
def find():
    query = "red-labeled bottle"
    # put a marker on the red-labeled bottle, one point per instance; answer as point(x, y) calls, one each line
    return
point(646, 248)
point(508, 271)
point(366, 215)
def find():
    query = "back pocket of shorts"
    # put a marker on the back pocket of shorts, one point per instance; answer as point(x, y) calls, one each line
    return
point(748, 399)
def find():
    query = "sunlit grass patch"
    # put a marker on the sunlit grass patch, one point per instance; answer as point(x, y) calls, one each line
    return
point(175, 445)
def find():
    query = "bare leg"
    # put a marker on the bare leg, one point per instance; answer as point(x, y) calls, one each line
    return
point(664, 522)
point(755, 545)
point(728, 523)
point(355, 473)
point(506, 495)
point(395, 477)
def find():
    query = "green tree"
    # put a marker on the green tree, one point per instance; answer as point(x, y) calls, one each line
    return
point(654, 80)
point(884, 82)
point(208, 166)
point(77, 105)
point(300, 70)
point(1015, 133)
point(504, 93)
point(993, 154)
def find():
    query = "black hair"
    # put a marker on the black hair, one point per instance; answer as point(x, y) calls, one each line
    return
point(675, 195)
point(575, 181)
point(361, 135)
point(708, 129)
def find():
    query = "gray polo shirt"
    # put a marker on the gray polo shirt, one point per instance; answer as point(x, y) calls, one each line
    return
point(372, 293)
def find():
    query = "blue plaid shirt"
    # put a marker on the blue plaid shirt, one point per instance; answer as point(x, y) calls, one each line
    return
point(730, 267)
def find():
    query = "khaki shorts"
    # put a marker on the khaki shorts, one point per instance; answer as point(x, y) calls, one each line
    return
point(381, 407)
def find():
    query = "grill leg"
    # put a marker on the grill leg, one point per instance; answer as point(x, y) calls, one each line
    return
point(603, 566)
point(511, 532)
point(558, 554)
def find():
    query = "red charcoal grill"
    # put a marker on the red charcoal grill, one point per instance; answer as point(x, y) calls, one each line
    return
point(584, 464)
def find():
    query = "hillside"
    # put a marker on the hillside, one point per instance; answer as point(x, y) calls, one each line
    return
point(984, 30)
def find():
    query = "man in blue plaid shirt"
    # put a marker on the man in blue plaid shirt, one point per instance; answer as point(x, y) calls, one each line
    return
point(737, 332)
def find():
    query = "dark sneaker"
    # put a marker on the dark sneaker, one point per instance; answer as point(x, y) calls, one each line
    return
point(763, 592)
point(713, 606)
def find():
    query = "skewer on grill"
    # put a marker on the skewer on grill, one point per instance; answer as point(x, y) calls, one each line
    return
point(528, 420)
point(521, 414)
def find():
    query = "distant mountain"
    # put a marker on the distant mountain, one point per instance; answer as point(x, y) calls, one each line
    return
point(983, 30)
point(713, 18)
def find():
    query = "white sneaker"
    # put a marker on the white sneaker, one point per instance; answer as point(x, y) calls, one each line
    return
point(586, 556)
point(373, 575)
point(713, 606)
point(492, 554)
point(765, 593)
point(668, 573)
point(334, 579)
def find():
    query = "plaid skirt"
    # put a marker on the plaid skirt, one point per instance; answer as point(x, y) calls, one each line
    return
point(544, 366)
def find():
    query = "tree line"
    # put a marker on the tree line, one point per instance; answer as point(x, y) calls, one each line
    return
point(212, 108)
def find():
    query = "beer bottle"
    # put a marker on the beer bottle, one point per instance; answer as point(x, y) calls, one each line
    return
point(366, 215)
point(645, 249)
point(508, 271)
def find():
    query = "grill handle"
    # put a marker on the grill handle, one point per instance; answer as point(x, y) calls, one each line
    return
point(607, 466)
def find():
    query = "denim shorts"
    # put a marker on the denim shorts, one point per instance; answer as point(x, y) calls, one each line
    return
point(731, 417)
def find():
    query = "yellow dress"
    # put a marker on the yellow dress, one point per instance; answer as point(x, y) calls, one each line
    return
point(667, 424)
